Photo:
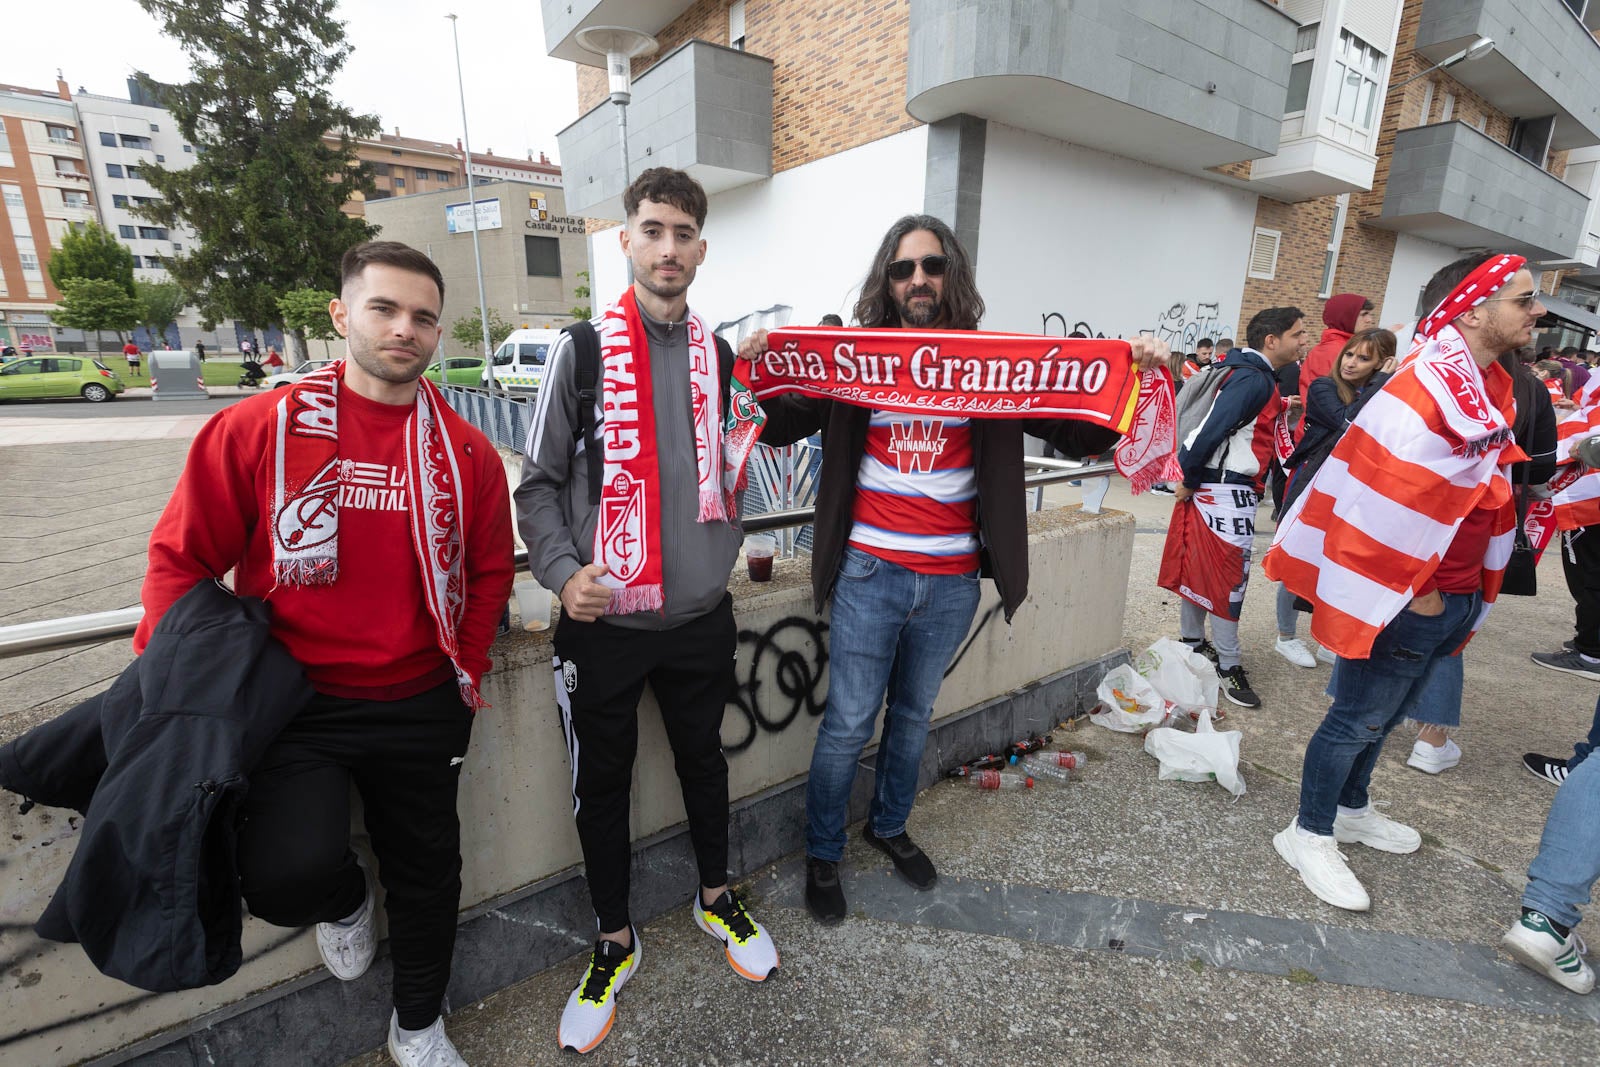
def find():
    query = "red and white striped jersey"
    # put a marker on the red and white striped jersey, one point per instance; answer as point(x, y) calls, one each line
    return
point(916, 494)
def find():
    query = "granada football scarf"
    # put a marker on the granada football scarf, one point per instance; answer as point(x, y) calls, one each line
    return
point(1148, 451)
point(1369, 531)
point(954, 372)
point(1575, 488)
point(304, 504)
point(627, 535)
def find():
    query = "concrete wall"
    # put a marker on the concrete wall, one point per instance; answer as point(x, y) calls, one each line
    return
point(1075, 236)
point(1452, 184)
point(516, 813)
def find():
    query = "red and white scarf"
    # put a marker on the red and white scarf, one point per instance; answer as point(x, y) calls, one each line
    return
point(1148, 451)
point(627, 533)
point(1370, 530)
point(304, 504)
point(1576, 488)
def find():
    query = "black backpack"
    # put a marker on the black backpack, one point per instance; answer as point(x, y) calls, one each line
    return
point(586, 376)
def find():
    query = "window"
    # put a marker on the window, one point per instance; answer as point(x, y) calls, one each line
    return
point(1448, 108)
point(153, 233)
point(30, 261)
point(130, 140)
point(177, 246)
point(442, 175)
point(74, 199)
point(381, 169)
point(133, 172)
point(118, 200)
point(114, 170)
point(544, 256)
point(125, 231)
point(394, 151)
point(1356, 87)
point(68, 168)
point(160, 158)
point(736, 25)
point(188, 148)
point(154, 128)
point(109, 140)
point(1427, 101)
point(399, 183)
point(423, 174)
point(13, 196)
point(1341, 210)
point(62, 134)
point(155, 262)
point(1305, 51)
point(1264, 254)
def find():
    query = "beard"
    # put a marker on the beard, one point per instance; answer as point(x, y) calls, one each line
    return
point(919, 314)
point(667, 290)
point(370, 358)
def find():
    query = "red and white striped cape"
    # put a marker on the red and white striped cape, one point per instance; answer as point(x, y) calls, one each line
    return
point(1577, 488)
point(1369, 531)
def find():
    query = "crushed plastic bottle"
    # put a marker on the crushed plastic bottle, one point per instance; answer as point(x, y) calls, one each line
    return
point(1072, 761)
point(992, 780)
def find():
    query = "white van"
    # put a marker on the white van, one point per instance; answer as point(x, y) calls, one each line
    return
point(519, 361)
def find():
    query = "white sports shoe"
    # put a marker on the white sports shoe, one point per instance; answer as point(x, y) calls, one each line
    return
point(431, 1048)
point(1322, 867)
point(1326, 656)
point(347, 951)
point(1534, 943)
point(1375, 830)
point(1427, 758)
point(751, 952)
point(1295, 651)
point(592, 1006)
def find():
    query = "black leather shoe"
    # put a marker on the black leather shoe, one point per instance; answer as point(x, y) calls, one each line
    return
point(912, 863)
point(824, 894)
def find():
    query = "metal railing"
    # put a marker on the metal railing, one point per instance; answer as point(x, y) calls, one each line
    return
point(48, 635)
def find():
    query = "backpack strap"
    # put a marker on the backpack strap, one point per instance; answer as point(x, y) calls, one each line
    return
point(586, 376)
point(724, 369)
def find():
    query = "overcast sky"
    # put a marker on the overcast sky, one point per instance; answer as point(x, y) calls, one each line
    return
point(402, 68)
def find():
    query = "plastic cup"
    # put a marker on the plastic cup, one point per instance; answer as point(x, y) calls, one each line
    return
point(758, 552)
point(533, 604)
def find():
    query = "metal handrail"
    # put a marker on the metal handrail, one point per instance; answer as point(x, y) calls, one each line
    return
point(48, 635)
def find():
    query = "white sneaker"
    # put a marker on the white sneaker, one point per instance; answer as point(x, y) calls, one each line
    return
point(592, 1006)
point(431, 1048)
point(1295, 651)
point(1322, 868)
point(1427, 758)
point(347, 951)
point(1325, 656)
point(1534, 943)
point(750, 949)
point(1376, 830)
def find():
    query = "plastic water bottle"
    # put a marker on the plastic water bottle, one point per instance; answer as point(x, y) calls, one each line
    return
point(1072, 761)
point(992, 780)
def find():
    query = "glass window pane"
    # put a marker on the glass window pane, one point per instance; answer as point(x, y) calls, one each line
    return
point(1369, 97)
point(1299, 87)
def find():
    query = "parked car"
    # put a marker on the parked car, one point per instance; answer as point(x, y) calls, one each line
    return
point(458, 370)
point(59, 376)
point(519, 361)
point(289, 377)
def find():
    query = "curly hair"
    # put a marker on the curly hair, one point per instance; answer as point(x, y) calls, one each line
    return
point(962, 306)
point(663, 185)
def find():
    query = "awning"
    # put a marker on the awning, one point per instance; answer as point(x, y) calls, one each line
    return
point(1572, 314)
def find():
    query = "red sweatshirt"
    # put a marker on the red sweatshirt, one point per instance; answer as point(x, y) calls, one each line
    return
point(369, 634)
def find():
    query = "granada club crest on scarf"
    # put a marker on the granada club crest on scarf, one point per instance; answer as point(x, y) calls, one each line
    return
point(1148, 452)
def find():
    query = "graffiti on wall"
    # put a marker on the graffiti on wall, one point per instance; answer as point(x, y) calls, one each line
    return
point(779, 677)
point(1180, 324)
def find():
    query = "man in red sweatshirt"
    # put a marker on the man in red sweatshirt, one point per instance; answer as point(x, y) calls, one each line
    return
point(376, 525)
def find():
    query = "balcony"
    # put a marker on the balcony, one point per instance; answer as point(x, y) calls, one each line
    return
point(1545, 61)
point(1312, 165)
point(564, 18)
point(702, 108)
point(1183, 85)
point(1451, 184)
point(1583, 174)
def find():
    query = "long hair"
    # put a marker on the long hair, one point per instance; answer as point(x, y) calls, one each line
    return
point(1382, 342)
point(962, 306)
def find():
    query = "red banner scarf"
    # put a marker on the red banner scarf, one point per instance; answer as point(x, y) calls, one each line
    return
point(627, 536)
point(304, 503)
point(1148, 452)
point(961, 373)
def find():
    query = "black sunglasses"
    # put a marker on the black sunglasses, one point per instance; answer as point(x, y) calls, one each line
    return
point(933, 266)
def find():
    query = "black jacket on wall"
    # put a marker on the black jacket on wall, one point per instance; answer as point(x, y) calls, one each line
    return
point(158, 765)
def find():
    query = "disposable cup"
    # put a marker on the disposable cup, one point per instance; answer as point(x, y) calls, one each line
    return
point(533, 604)
point(758, 552)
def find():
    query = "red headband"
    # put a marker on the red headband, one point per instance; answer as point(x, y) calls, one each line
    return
point(1486, 280)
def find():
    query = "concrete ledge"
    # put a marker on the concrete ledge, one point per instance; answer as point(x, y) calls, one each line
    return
point(504, 941)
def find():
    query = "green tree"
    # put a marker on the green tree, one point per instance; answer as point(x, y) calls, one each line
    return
point(581, 291)
point(95, 304)
point(263, 197)
point(160, 304)
point(305, 311)
point(468, 331)
point(92, 252)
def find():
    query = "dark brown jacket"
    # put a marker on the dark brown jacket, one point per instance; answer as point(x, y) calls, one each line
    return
point(997, 463)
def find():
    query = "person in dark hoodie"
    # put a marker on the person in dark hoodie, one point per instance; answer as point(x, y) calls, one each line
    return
point(1345, 314)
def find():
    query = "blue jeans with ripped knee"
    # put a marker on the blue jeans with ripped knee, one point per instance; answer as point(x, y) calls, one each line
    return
point(1410, 659)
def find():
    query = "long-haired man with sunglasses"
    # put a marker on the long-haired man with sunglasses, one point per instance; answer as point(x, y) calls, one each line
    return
point(908, 509)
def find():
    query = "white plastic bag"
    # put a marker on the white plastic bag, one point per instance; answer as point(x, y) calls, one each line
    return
point(1186, 680)
point(1128, 703)
point(1203, 756)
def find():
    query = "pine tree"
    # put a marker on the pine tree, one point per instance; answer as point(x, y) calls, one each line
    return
point(263, 197)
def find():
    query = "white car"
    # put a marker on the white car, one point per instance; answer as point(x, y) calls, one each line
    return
point(289, 377)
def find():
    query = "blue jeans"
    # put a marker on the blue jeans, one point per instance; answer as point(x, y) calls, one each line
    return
point(1564, 871)
point(1581, 750)
point(1411, 662)
point(893, 632)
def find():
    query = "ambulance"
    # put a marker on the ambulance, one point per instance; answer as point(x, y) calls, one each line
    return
point(518, 365)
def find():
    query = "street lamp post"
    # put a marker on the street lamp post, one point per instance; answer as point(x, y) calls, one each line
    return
point(1476, 50)
point(620, 46)
point(472, 198)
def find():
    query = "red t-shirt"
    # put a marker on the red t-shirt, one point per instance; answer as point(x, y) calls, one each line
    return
point(130, 349)
point(1461, 569)
point(369, 634)
point(916, 494)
